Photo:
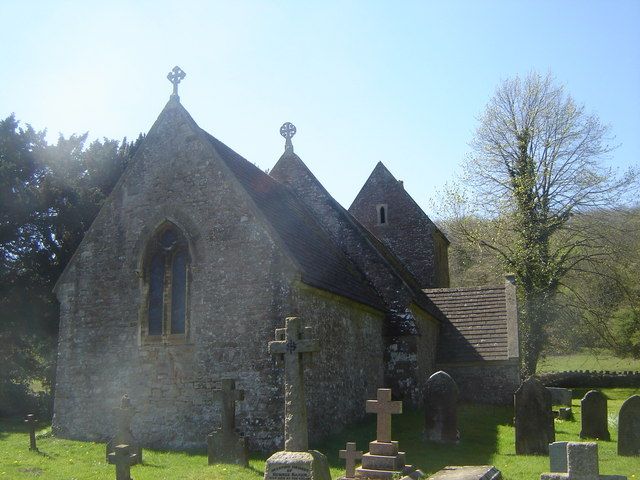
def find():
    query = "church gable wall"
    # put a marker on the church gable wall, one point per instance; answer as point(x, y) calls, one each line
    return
point(238, 277)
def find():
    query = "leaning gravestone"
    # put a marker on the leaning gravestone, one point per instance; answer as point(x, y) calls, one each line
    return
point(533, 418)
point(123, 435)
point(629, 427)
point(560, 396)
point(226, 444)
point(582, 464)
point(296, 462)
point(440, 408)
point(594, 416)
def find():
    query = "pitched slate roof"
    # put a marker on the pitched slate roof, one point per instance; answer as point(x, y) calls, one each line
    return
point(389, 276)
point(476, 326)
point(322, 263)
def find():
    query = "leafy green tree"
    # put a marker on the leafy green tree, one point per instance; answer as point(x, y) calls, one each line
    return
point(535, 169)
point(49, 195)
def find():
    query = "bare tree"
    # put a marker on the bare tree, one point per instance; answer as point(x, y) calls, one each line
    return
point(535, 168)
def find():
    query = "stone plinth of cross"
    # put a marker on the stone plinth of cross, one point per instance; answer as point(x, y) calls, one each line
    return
point(384, 408)
point(291, 344)
point(31, 423)
point(175, 76)
point(228, 396)
point(350, 455)
point(122, 458)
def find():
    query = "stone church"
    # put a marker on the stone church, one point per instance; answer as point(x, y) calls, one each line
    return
point(197, 256)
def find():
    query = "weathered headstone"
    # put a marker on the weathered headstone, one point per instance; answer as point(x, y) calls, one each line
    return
point(476, 472)
point(384, 461)
point(565, 413)
point(582, 464)
point(560, 396)
point(31, 423)
point(350, 455)
point(122, 458)
point(123, 436)
point(594, 416)
point(533, 418)
point(558, 457)
point(226, 444)
point(440, 408)
point(629, 427)
point(296, 462)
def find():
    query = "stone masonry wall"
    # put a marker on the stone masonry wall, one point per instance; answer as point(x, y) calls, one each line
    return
point(490, 382)
point(237, 279)
point(348, 369)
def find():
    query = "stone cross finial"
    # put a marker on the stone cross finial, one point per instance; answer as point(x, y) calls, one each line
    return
point(122, 458)
point(350, 456)
point(228, 396)
point(31, 422)
point(384, 408)
point(288, 130)
point(291, 343)
point(175, 76)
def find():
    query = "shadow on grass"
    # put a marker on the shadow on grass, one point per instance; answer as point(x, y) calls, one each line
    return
point(478, 426)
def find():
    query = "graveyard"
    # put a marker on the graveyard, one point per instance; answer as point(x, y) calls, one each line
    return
point(487, 437)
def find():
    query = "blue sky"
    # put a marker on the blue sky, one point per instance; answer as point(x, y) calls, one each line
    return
point(401, 82)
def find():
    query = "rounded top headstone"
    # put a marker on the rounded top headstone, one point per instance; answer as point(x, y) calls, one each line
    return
point(441, 383)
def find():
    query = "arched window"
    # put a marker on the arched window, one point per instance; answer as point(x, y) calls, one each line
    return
point(166, 273)
point(382, 214)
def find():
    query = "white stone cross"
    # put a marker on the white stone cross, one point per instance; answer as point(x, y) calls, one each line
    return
point(291, 343)
point(384, 408)
point(175, 76)
point(350, 456)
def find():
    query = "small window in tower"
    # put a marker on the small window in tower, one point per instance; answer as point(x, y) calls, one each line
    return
point(382, 214)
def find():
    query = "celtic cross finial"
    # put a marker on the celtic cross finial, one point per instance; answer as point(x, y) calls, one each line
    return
point(288, 130)
point(175, 76)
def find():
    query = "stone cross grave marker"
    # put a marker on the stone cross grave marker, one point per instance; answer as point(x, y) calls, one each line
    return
point(122, 458)
point(533, 418)
point(226, 444)
point(291, 344)
point(175, 76)
point(594, 416)
point(440, 408)
point(582, 464)
point(629, 427)
point(350, 455)
point(31, 423)
point(123, 436)
point(383, 407)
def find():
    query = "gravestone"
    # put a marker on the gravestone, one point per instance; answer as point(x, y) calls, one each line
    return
point(122, 458)
point(629, 427)
point(533, 418)
point(477, 472)
point(31, 423)
point(565, 413)
point(292, 346)
point(384, 460)
point(350, 455)
point(594, 416)
point(226, 444)
point(124, 414)
point(558, 457)
point(440, 409)
point(560, 396)
point(582, 464)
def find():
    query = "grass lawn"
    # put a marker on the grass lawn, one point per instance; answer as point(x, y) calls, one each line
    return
point(593, 359)
point(487, 438)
